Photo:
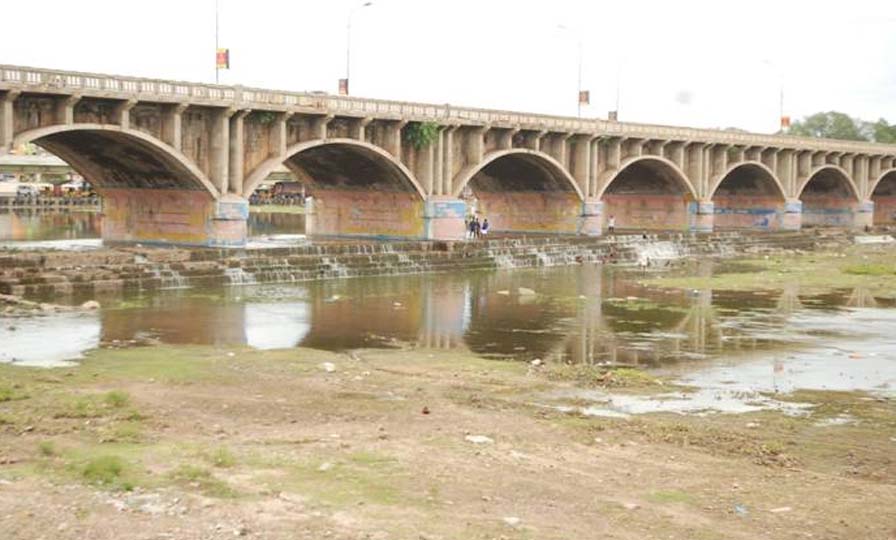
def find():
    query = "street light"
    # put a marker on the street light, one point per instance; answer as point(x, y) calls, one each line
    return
point(348, 46)
point(578, 39)
point(780, 74)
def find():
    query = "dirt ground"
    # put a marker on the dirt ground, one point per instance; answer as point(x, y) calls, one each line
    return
point(163, 442)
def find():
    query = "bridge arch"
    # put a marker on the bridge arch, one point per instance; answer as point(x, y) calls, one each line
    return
point(748, 195)
point(830, 198)
point(373, 155)
point(112, 157)
point(522, 190)
point(649, 193)
point(883, 193)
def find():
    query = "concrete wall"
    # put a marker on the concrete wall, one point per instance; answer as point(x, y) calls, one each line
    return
point(828, 211)
point(163, 216)
point(530, 211)
point(885, 210)
point(648, 212)
point(386, 214)
point(748, 212)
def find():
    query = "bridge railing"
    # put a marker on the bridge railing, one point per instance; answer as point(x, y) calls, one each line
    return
point(64, 82)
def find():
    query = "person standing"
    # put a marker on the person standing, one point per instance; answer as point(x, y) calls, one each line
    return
point(611, 224)
point(485, 227)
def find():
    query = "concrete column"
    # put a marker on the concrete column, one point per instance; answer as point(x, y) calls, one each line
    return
point(864, 215)
point(784, 169)
point(676, 154)
point(594, 169)
point(537, 139)
point(474, 144)
point(438, 160)
point(172, 120)
point(701, 216)
point(614, 154)
point(448, 165)
point(792, 219)
point(393, 137)
point(65, 109)
point(719, 159)
point(359, 127)
point(860, 174)
point(505, 140)
point(279, 135)
point(320, 126)
point(582, 169)
point(770, 158)
point(237, 149)
point(695, 163)
point(754, 153)
point(123, 113)
point(219, 149)
point(874, 169)
point(443, 218)
point(7, 120)
point(591, 221)
point(740, 155)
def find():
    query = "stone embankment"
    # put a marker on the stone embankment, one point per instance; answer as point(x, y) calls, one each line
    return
point(32, 273)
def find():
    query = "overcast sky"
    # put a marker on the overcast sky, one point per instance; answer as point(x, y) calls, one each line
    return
point(694, 63)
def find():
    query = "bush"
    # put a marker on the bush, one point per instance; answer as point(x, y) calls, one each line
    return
point(103, 470)
point(116, 399)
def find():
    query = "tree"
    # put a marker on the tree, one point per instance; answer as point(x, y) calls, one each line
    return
point(883, 132)
point(831, 125)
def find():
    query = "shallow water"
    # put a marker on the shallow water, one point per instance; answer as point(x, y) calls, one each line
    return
point(77, 230)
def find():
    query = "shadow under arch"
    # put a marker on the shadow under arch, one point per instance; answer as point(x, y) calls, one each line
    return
point(361, 156)
point(522, 190)
point(748, 196)
point(830, 198)
point(649, 193)
point(112, 157)
point(356, 189)
point(883, 193)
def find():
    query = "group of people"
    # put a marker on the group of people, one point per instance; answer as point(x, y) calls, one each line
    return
point(475, 228)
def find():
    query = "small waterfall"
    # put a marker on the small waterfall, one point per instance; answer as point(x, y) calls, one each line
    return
point(658, 253)
point(335, 268)
point(169, 278)
point(238, 276)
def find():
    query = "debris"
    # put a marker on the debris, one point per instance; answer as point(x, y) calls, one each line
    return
point(425, 410)
point(512, 521)
point(631, 506)
point(325, 466)
point(329, 367)
point(523, 291)
point(90, 305)
point(780, 510)
point(740, 510)
point(537, 362)
point(504, 292)
point(479, 439)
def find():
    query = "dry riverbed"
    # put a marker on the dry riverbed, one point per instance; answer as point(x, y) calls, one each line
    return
point(199, 443)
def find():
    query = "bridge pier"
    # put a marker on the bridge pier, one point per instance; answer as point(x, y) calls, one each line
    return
point(174, 216)
point(864, 215)
point(444, 218)
point(592, 219)
point(792, 220)
point(702, 216)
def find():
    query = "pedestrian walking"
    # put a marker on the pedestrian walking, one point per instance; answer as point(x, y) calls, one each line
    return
point(611, 223)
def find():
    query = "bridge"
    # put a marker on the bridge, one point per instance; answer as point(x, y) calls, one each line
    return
point(176, 162)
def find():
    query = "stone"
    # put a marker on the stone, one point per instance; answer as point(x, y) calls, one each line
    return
point(90, 305)
point(329, 367)
point(479, 439)
point(523, 291)
point(512, 521)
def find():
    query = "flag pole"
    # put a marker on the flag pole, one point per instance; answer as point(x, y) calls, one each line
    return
point(217, 69)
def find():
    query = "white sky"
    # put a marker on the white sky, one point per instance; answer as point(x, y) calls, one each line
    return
point(689, 62)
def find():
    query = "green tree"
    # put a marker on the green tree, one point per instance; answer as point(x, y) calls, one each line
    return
point(883, 132)
point(831, 125)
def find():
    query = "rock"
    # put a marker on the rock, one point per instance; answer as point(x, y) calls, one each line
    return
point(325, 466)
point(329, 367)
point(504, 292)
point(425, 410)
point(537, 362)
point(780, 510)
point(90, 305)
point(523, 291)
point(512, 521)
point(631, 506)
point(479, 439)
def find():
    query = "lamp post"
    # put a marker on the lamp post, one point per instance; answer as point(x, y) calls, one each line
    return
point(578, 39)
point(780, 74)
point(348, 42)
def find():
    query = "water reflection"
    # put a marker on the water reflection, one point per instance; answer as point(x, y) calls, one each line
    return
point(56, 224)
point(588, 314)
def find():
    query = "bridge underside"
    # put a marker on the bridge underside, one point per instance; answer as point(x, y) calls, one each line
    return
point(748, 198)
point(884, 199)
point(149, 196)
point(648, 196)
point(828, 201)
point(357, 193)
point(519, 193)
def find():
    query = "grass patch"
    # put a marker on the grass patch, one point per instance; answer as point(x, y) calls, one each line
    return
point(590, 375)
point(116, 399)
point(11, 393)
point(46, 449)
point(106, 471)
point(870, 270)
point(222, 457)
point(202, 478)
point(671, 496)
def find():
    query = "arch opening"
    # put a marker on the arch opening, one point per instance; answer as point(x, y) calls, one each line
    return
point(829, 199)
point(356, 190)
point(649, 194)
point(884, 198)
point(524, 191)
point(748, 197)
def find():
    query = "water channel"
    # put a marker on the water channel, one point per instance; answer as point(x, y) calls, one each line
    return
point(736, 349)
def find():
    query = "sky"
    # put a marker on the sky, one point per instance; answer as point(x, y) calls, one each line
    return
point(694, 63)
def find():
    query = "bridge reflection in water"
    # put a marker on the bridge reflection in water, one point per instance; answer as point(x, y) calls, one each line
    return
point(584, 314)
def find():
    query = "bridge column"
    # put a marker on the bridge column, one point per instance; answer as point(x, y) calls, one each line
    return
point(591, 221)
point(7, 131)
point(702, 216)
point(792, 220)
point(864, 214)
point(443, 218)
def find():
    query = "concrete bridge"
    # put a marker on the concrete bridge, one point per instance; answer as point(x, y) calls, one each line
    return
point(176, 161)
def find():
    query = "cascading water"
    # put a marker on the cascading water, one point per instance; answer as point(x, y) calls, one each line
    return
point(238, 276)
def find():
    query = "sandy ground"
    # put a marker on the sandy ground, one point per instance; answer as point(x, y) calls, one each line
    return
point(199, 443)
